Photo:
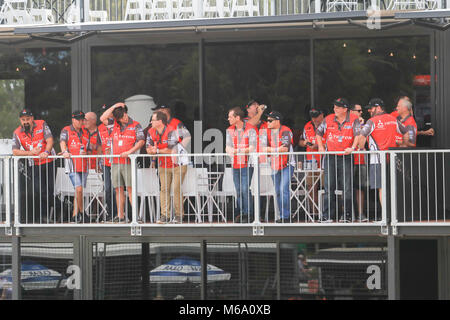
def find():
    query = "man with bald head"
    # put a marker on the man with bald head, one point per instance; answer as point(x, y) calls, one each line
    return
point(91, 125)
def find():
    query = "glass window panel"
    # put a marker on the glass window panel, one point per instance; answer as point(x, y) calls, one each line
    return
point(42, 79)
point(275, 72)
point(361, 69)
point(167, 73)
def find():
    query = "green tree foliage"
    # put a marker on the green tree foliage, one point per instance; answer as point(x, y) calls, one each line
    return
point(12, 97)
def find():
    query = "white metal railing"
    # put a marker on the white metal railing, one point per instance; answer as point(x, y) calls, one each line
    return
point(420, 187)
point(14, 12)
point(210, 191)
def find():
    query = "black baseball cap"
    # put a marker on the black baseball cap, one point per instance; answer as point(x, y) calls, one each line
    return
point(275, 115)
point(375, 102)
point(25, 112)
point(78, 115)
point(341, 102)
point(251, 102)
point(160, 107)
point(315, 112)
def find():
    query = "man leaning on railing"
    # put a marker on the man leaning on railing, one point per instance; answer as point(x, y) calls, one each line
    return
point(163, 139)
point(241, 139)
point(36, 139)
point(74, 141)
point(382, 129)
point(339, 130)
point(280, 140)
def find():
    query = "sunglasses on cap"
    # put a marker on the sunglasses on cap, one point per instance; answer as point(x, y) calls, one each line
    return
point(315, 113)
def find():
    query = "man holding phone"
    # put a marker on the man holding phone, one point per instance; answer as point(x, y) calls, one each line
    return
point(308, 140)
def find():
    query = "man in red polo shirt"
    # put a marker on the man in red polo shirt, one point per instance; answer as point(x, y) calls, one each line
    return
point(91, 125)
point(241, 138)
point(255, 111)
point(127, 138)
point(404, 115)
point(279, 139)
point(74, 141)
point(34, 138)
point(382, 129)
point(339, 130)
point(104, 145)
point(163, 139)
point(308, 141)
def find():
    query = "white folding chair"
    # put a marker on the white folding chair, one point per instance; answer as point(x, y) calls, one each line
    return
point(342, 5)
point(216, 8)
point(138, 9)
point(242, 8)
point(266, 189)
point(73, 14)
point(148, 187)
point(208, 182)
point(63, 185)
point(228, 189)
point(187, 9)
point(191, 189)
point(15, 12)
point(163, 9)
point(93, 192)
point(43, 16)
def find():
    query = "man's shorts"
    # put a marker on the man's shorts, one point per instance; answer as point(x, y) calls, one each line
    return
point(78, 179)
point(121, 175)
point(360, 176)
point(375, 176)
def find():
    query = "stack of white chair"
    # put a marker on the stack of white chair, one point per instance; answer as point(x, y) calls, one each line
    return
point(164, 9)
point(15, 12)
point(342, 5)
point(216, 8)
point(188, 9)
point(243, 8)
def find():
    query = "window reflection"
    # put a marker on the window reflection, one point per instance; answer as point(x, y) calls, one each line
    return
point(45, 75)
point(167, 73)
point(362, 69)
point(276, 72)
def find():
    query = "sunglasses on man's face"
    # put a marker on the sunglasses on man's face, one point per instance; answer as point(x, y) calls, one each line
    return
point(271, 120)
point(358, 110)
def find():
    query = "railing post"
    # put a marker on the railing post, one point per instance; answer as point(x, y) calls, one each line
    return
point(393, 188)
point(383, 188)
point(16, 191)
point(257, 197)
point(7, 185)
point(133, 189)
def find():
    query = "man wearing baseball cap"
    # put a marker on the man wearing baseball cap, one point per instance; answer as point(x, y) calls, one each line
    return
point(74, 141)
point(104, 142)
point(308, 141)
point(34, 138)
point(339, 130)
point(381, 129)
point(127, 137)
point(279, 139)
point(255, 111)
